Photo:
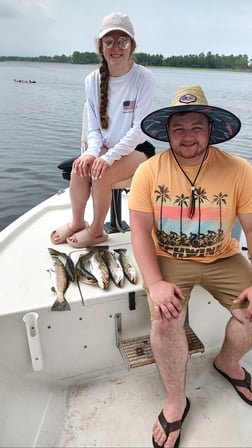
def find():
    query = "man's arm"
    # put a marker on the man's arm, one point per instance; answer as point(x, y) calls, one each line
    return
point(143, 246)
point(246, 223)
point(165, 296)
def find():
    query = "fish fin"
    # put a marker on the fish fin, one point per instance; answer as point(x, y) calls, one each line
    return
point(98, 247)
point(70, 269)
point(132, 278)
point(61, 306)
point(53, 251)
point(133, 281)
point(120, 283)
point(122, 249)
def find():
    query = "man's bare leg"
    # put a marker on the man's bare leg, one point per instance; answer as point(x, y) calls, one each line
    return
point(237, 342)
point(170, 349)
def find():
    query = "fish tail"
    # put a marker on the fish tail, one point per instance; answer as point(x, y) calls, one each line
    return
point(61, 305)
point(93, 248)
point(53, 251)
point(121, 250)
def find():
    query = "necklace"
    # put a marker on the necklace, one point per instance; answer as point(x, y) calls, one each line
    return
point(192, 199)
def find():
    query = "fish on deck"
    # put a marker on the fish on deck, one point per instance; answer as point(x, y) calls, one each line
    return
point(83, 274)
point(127, 265)
point(67, 262)
point(115, 268)
point(96, 265)
point(60, 281)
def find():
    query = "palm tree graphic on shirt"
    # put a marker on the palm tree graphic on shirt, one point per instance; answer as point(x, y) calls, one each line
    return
point(201, 241)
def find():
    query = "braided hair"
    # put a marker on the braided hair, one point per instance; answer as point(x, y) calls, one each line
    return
point(104, 82)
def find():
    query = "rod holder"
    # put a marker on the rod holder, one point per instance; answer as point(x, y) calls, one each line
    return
point(32, 330)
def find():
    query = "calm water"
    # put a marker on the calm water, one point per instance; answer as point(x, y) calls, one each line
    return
point(40, 123)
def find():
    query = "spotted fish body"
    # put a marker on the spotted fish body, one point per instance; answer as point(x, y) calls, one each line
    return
point(82, 273)
point(115, 268)
point(62, 282)
point(67, 262)
point(98, 268)
point(128, 268)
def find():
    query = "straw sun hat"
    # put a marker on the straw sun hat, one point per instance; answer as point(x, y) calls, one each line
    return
point(225, 125)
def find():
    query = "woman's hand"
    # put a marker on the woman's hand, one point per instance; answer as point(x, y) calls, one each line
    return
point(83, 165)
point(98, 168)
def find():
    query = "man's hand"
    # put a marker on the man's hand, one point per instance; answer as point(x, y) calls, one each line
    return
point(167, 299)
point(246, 295)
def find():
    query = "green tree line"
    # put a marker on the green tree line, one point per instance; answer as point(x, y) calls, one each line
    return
point(208, 60)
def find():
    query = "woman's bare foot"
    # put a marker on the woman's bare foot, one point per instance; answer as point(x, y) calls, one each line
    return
point(61, 234)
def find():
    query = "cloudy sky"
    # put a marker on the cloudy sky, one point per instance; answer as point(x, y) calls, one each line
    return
point(167, 27)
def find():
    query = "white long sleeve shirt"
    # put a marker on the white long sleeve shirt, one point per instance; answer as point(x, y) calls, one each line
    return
point(130, 100)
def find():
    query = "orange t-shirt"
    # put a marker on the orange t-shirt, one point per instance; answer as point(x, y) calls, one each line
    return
point(223, 189)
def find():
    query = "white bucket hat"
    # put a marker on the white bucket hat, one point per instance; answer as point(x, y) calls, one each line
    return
point(116, 21)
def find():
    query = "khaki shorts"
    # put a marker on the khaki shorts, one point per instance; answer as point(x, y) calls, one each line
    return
point(225, 279)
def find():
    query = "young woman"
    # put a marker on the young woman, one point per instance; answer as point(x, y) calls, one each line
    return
point(118, 96)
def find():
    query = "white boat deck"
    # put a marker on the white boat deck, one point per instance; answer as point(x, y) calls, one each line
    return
point(82, 394)
point(119, 411)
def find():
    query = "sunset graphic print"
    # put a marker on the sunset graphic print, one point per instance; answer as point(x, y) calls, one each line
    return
point(182, 236)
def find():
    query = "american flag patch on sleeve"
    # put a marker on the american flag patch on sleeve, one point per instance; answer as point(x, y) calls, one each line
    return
point(128, 106)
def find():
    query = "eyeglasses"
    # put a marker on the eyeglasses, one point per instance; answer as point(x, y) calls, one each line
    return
point(123, 42)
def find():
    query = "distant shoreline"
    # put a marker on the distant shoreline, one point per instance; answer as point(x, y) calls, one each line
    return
point(207, 61)
point(244, 70)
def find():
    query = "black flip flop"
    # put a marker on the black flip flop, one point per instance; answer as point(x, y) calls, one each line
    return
point(241, 383)
point(171, 427)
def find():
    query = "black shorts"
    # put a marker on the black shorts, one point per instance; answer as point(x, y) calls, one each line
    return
point(147, 148)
